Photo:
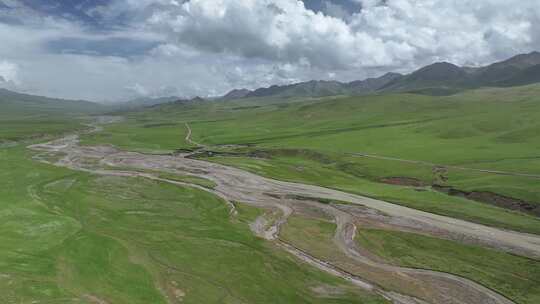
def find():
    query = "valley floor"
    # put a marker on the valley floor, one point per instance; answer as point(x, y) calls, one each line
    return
point(348, 211)
point(379, 199)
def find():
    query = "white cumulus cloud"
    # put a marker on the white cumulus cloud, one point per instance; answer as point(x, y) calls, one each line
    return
point(8, 73)
point(206, 47)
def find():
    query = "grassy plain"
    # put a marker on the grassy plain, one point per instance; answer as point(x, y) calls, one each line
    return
point(70, 237)
point(142, 135)
point(322, 140)
point(24, 116)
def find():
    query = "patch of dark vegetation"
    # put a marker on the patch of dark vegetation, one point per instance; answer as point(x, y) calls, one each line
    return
point(273, 195)
point(143, 120)
point(184, 151)
point(102, 135)
point(210, 120)
point(316, 199)
point(435, 91)
point(354, 169)
point(209, 153)
point(157, 125)
point(268, 154)
point(307, 198)
point(282, 105)
point(7, 143)
point(246, 108)
point(234, 146)
point(303, 153)
point(199, 155)
point(403, 181)
point(258, 154)
point(440, 174)
point(493, 199)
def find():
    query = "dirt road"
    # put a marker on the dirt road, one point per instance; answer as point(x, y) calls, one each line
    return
point(188, 136)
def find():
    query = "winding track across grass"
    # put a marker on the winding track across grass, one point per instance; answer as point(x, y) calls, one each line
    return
point(188, 136)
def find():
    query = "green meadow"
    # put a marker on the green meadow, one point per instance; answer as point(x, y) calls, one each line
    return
point(24, 117)
point(323, 141)
point(141, 135)
point(70, 237)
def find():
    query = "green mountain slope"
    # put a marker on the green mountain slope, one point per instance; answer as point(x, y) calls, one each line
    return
point(527, 76)
point(13, 103)
point(23, 116)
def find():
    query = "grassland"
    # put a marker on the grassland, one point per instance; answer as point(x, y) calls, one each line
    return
point(322, 141)
point(143, 135)
point(516, 277)
point(69, 237)
point(475, 129)
point(25, 116)
point(13, 130)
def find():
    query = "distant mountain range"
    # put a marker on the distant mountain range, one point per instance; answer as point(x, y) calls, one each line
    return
point(235, 94)
point(441, 78)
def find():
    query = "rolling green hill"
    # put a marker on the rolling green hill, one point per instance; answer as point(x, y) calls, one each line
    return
point(24, 115)
point(13, 103)
point(362, 144)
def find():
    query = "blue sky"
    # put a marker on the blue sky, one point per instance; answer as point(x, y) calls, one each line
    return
point(80, 10)
point(74, 9)
point(109, 50)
